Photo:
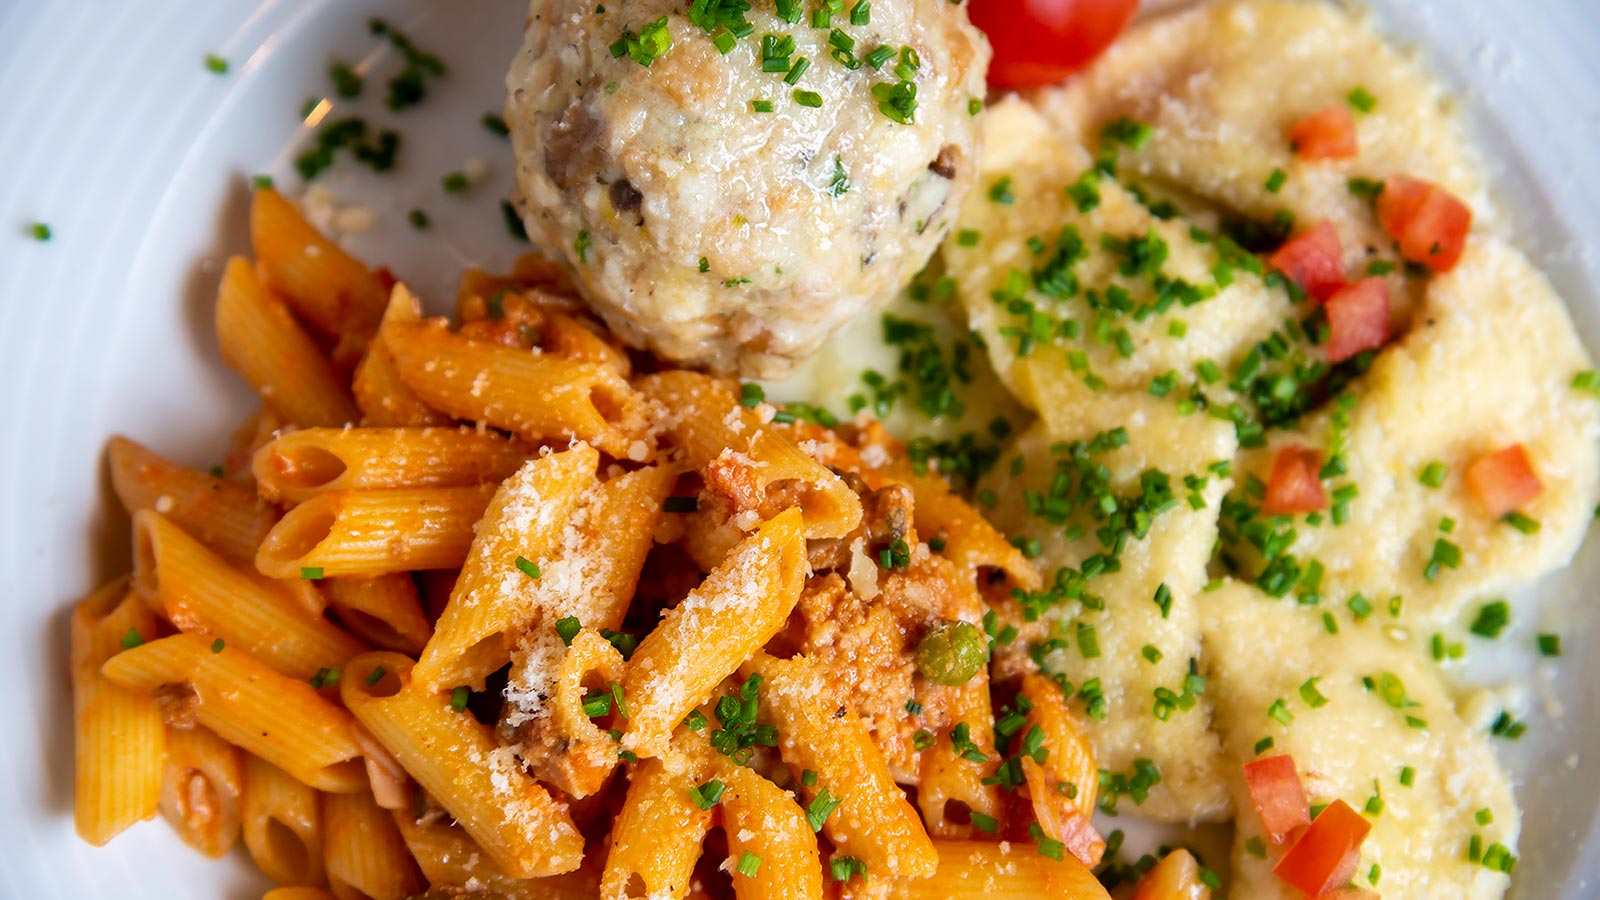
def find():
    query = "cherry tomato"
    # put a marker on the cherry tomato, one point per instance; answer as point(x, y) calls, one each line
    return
point(1275, 787)
point(1039, 42)
point(1313, 259)
point(1358, 318)
point(1329, 133)
point(1325, 856)
point(1429, 222)
point(1295, 485)
point(1503, 481)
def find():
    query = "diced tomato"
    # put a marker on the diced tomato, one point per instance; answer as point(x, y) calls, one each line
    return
point(1504, 480)
point(1325, 856)
point(1313, 259)
point(1176, 877)
point(1279, 796)
point(1294, 486)
point(1358, 318)
point(1038, 42)
point(1328, 133)
point(1428, 222)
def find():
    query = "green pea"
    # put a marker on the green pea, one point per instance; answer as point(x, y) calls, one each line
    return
point(951, 652)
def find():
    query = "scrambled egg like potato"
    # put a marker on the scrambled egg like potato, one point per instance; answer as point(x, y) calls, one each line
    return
point(1353, 744)
point(1174, 554)
point(720, 235)
point(1488, 363)
point(1223, 83)
point(998, 246)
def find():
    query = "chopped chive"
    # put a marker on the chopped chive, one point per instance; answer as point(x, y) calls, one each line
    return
point(1361, 99)
point(376, 675)
point(528, 567)
point(751, 395)
point(39, 231)
point(821, 807)
point(1309, 693)
point(809, 99)
point(496, 124)
point(582, 244)
point(985, 824)
point(760, 106)
point(707, 795)
point(132, 639)
point(796, 70)
point(455, 182)
point(217, 645)
point(1408, 776)
point(1264, 745)
point(861, 13)
point(418, 219)
point(1492, 619)
point(311, 573)
point(749, 864)
point(1276, 181)
point(1433, 474)
point(1280, 711)
point(1549, 645)
point(216, 65)
point(1521, 522)
point(325, 677)
point(458, 698)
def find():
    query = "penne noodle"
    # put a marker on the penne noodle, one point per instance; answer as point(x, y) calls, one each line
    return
point(535, 320)
point(373, 532)
point(980, 870)
point(262, 426)
point(950, 787)
point(1062, 786)
point(202, 789)
point(764, 825)
point(583, 755)
point(646, 859)
point(118, 737)
point(246, 703)
point(282, 824)
point(263, 343)
point(481, 784)
point(874, 820)
point(537, 396)
point(298, 893)
point(384, 398)
point(970, 541)
point(493, 600)
point(329, 288)
point(224, 515)
point(449, 859)
point(383, 610)
point(365, 856)
point(202, 593)
point(301, 464)
point(747, 460)
point(702, 640)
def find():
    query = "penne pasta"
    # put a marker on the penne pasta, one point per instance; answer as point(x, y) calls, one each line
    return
point(329, 288)
point(645, 859)
point(450, 860)
point(365, 856)
point(383, 610)
point(747, 460)
point(224, 515)
point(373, 532)
point(280, 719)
point(383, 396)
point(481, 784)
point(979, 870)
point(200, 592)
point(583, 755)
point(202, 789)
point(539, 397)
point(497, 594)
point(118, 737)
point(282, 824)
point(301, 464)
point(772, 851)
point(874, 820)
point(1061, 785)
point(951, 786)
point(298, 893)
point(969, 540)
point(264, 344)
point(736, 610)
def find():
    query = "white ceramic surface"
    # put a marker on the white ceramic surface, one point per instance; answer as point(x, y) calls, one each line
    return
point(113, 132)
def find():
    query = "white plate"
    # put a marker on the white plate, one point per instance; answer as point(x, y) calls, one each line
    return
point(113, 132)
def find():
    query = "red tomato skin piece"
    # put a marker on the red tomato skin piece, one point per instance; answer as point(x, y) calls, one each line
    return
point(1328, 133)
point(1294, 486)
point(1313, 259)
point(1358, 318)
point(1278, 795)
point(1326, 855)
point(1504, 481)
point(1428, 222)
point(1039, 42)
